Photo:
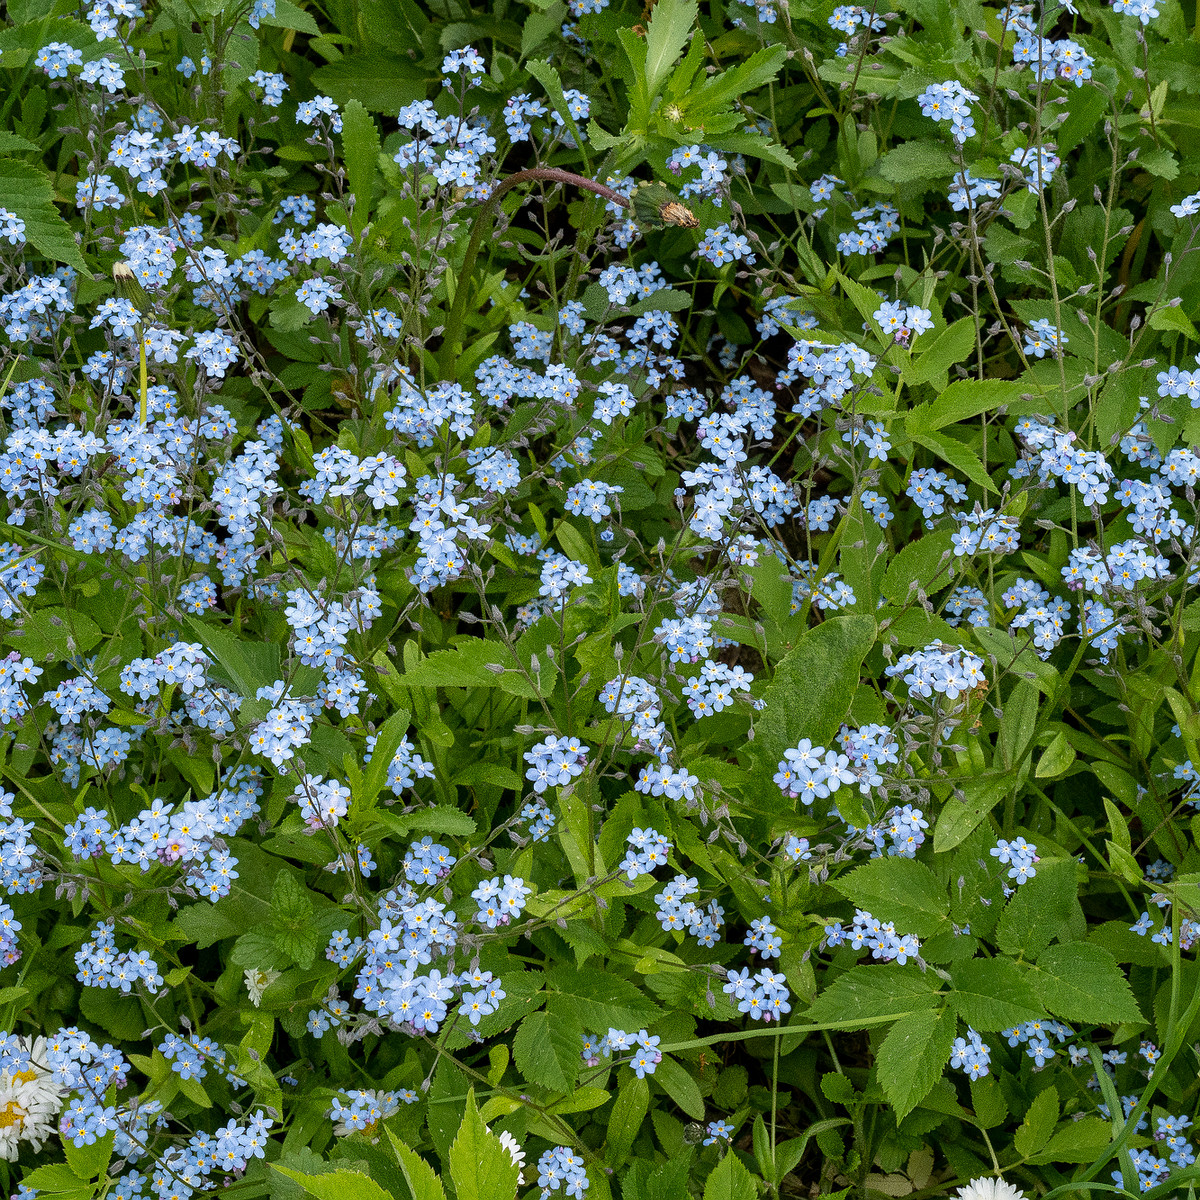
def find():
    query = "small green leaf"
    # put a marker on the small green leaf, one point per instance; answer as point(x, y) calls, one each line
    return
point(900, 890)
point(1056, 758)
point(547, 1052)
point(1080, 981)
point(628, 1113)
point(933, 357)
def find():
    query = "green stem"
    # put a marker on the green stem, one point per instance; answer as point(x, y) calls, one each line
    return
point(452, 340)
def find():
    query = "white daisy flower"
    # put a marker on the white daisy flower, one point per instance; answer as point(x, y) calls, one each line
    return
point(30, 1102)
point(988, 1187)
point(257, 982)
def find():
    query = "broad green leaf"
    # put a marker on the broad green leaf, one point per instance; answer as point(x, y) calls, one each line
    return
point(418, 1174)
point(54, 633)
point(1039, 1123)
point(287, 15)
point(336, 1185)
point(57, 1180)
point(898, 889)
point(628, 1112)
point(912, 1056)
point(1080, 1141)
point(89, 1162)
point(729, 1180)
point(876, 991)
point(438, 819)
point(681, 1087)
point(1080, 981)
point(387, 742)
point(922, 562)
point(938, 354)
point(831, 652)
point(480, 1167)
point(597, 999)
point(1039, 910)
point(914, 161)
point(960, 818)
point(28, 192)
point(670, 27)
point(360, 150)
point(547, 1051)
point(993, 993)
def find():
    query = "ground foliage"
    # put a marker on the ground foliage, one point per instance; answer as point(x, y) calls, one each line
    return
point(686, 659)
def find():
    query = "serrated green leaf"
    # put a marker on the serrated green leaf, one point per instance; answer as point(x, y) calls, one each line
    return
point(1080, 981)
point(939, 353)
point(547, 1051)
point(628, 1113)
point(671, 23)
point(866, 992)
point(1039, 1123)
point(730, 1180)
point(336, 1185)
point(917, 160)
point(959, 455)
point(1039, 909)
point(28, 192)
point(900, 890)
point(912, 1057)
point(418, 1174)
point(993, 993)
point(480, 1167)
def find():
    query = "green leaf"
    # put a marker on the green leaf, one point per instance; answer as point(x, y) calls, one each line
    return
point(28, 192)
point(831, 652)
point(1039, 910)
point(1039, 1123)
point(54, 633)
point(729, 1180)
point(922, 562)
point(290, 16)
point(387, 743)
point(547, 1051)
point(480, 1167)
point(1056, 758)
point(880, 991)
point(628, 1113)
point(719, 91)
point(1080, 981)
point(962, 400)
point(11, 141)
point(547, 75)
point(89, 1162)
point(960, 456)
point(900, 890)
point(938, 354)
point(441, 818)
point(597, 999)
point(418, 1174)
point(250, 665)
point(336, 1185)
point(381, 82)
point(993, 993)
point(289, 901)
point(960, 818)
point(681, 1087)
point(670, 27)
point(59, 1181)
point(917, 160)
point(360, 149)
point(1173, 318)
point(912, 1056)
point(1081, 1141)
